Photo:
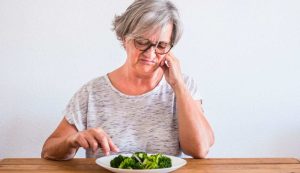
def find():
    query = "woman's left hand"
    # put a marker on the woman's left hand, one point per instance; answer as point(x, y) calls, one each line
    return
point(171, 67)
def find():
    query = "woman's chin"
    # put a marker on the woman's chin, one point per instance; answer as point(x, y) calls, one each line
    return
point(148, 70)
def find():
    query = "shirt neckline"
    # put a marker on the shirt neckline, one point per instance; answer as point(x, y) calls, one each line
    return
point(133, 96)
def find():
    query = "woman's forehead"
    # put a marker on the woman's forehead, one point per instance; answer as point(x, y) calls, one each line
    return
point(160, 34)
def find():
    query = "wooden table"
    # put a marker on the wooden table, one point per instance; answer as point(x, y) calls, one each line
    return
point(243, 165)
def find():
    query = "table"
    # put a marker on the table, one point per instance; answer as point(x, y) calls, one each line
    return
point(211, 165)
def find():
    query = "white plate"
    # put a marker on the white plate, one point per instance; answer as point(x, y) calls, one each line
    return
point(105, 163)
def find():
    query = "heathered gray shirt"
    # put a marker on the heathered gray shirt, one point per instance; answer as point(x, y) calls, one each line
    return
point(146, 122)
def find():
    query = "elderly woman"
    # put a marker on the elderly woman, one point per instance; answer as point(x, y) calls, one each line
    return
point(147, 104)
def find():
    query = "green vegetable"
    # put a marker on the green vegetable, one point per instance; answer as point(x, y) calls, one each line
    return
point(140, 155)
point(164, 162)
point(141, 160)
point(117, 161)
point(129, 163)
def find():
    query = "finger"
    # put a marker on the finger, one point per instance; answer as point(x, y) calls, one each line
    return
point(169, 60)
point(105, 146)
point(165, 68)
point(112, 146)
point(93, 144)
point(81, 141)
point(101, 138)
point(162, 62)
point(172, 61)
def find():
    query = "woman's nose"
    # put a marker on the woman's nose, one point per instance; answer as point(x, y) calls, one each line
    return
point(150, 52)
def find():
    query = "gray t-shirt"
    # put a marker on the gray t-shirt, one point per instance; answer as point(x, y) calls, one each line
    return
point(146, 122)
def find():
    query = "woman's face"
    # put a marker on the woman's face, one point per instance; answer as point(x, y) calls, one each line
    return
point(146, 62)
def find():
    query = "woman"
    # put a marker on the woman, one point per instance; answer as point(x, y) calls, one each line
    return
point(145, 105)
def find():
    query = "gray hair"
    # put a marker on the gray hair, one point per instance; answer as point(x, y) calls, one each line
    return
point(146, 17)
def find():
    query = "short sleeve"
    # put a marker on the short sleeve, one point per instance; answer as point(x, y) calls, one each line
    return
point(76, 111)
point(192, 86)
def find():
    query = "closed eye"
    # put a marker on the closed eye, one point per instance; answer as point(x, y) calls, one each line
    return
point(142, 42)
point(162, 45)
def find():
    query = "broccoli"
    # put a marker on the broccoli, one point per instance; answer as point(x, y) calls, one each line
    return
point(115, 163)
point(164, 162)
point(140, 160)
point(128, 163)
point(140, 155)
point(149, 164)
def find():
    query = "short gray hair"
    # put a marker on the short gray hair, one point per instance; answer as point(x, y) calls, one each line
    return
point(147, 16)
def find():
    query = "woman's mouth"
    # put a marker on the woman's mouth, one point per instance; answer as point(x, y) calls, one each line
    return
point(147, 62)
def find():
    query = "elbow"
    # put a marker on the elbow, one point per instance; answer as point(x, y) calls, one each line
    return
point(49, 155)
point(45, 151)
point(202, 149)
point(44, 154)
point(200, 154)
point(197, 152)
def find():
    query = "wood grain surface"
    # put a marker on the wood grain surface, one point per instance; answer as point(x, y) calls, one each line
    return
point(219, 165)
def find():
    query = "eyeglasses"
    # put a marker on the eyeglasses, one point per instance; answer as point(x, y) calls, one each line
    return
point(145, 44)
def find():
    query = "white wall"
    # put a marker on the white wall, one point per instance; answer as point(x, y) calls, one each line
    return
point(244, 54)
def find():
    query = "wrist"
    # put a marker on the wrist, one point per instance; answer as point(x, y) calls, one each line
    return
point(179, 88)
point(71, 143)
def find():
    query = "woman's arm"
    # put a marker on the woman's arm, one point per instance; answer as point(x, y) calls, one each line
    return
point(57, 147)
point(195, 134)
point(64, 142)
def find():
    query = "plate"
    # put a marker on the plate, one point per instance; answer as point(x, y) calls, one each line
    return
point(105, 163)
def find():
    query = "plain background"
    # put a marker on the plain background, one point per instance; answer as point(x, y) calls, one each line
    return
point(243, 54)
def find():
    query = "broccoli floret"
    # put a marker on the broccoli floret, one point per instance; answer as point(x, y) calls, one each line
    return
point(138, 165)
point(149, 164)
point(164, 162)
point(115, 163)
point(158, 161)
point(140, 155)
point(130, 163)
point(157, 157)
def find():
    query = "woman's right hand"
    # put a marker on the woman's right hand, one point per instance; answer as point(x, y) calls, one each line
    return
point(64, 142)
point(93, 138)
